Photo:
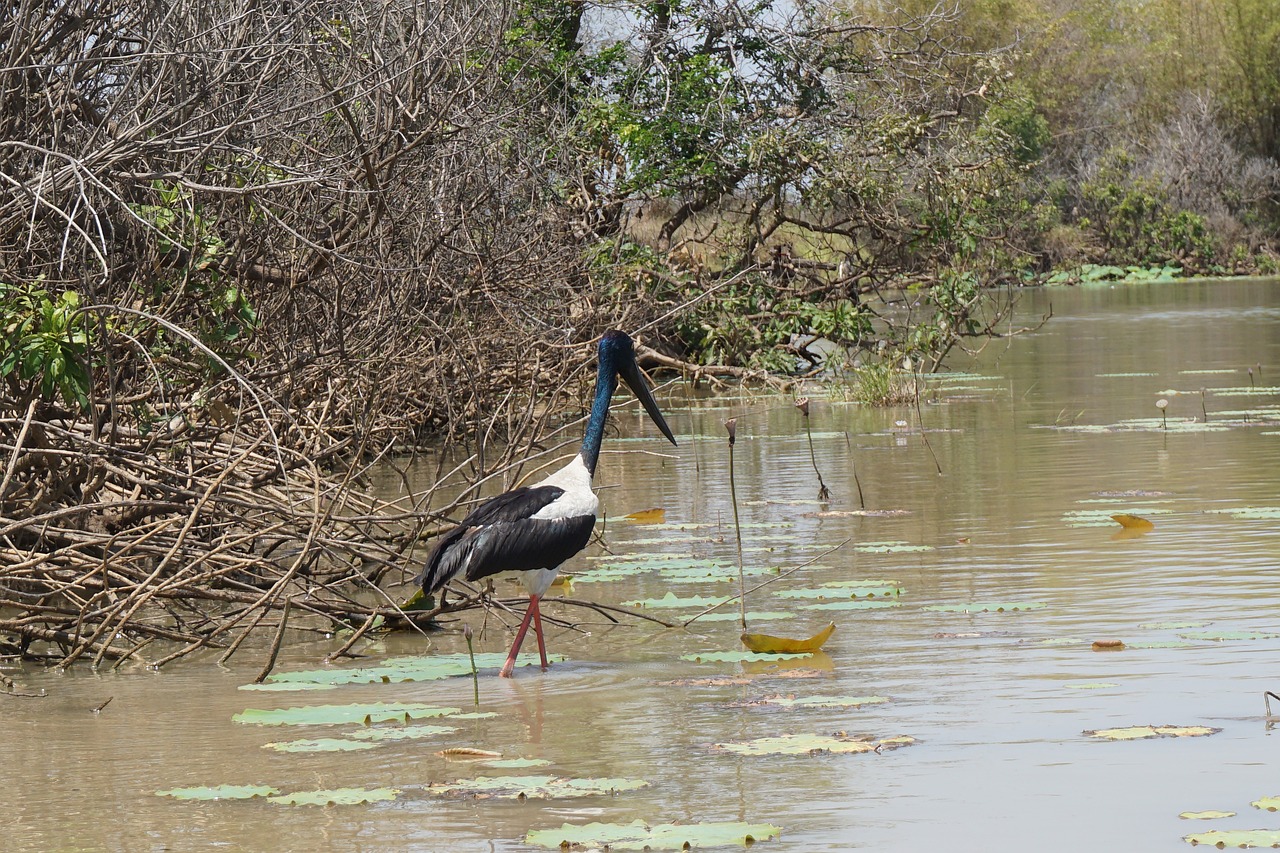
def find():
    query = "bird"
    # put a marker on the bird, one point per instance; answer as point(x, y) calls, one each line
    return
point(533, 530)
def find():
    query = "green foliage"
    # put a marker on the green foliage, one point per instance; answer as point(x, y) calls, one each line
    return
point(1134, 219)
point(45, 343)
point(188, 243)
point(1016, 117)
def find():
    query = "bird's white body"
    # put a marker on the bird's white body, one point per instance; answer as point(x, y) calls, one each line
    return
point(578, 500)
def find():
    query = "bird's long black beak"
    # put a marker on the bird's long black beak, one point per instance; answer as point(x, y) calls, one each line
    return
point(630, 373)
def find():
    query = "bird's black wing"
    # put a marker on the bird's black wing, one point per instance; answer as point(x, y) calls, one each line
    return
point(500, 536)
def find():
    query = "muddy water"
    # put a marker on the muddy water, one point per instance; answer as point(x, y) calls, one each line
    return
point(997, 701)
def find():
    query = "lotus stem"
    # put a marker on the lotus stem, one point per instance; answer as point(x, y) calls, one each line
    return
point(731, 426)
point(824, 494)
point(467, 633)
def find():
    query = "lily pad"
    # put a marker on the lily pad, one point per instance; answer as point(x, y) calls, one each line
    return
point(1206, 815)
point(890, 548)
point(1269, 804)
point(1107, 517)
point(851, 604)
point(1142, 732)
point(1161, 644)
point(220, 792)
point(985, 607)
point(402, 669)
point(640, 836)
point(748, 657)
point(752, 616)
point(1218, 636)
point(845, 589)
point(1172, 626)
point(818, 701)
point(332, 715)
point(671, 600)
point(336, 797)
point(321, 744)
point(814, 745)
point(400, 733)
point(1221, 838)
point(1250, 513)
point(532, 787)
point(517, 763)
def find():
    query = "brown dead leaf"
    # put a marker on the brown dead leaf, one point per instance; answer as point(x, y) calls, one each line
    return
point(468, 752)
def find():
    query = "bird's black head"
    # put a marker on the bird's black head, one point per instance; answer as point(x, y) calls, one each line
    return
point(615, 344)
point(618, 358)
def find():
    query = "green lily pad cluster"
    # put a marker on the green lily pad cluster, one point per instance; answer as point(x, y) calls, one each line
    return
point(641, 836)
point(331, 797)
point(532, 787)
point(395, 670)
point(793, 744)
point(985, 607)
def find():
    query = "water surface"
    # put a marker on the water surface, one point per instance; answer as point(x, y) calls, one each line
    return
point(997, 701)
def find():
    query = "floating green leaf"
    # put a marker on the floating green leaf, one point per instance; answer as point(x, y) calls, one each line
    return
point(1104, 517)
point(1142, 732)
point(532, 787)
point(400, 733)
point(403, 669)
point(220, 792)
point(1218, 636)
point(517, 763)
point(814, 745)
point(272, 687)
point(846, 589)
point(1250, 513)
point(320, 744)
point(1160, 644)
point(818, 701)
point(640, 836)
point(332, 715)
point(890, 548)
point(336, 797)
point(984, 607)
point(1269, 804)
point(1206, 815)
point(673, 601)
point(735, 657)
point(1171, 626)
point(1221, 838)
point(752, 616)
point(864, 604)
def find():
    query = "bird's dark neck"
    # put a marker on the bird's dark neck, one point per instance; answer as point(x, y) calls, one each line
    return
point(606, 384)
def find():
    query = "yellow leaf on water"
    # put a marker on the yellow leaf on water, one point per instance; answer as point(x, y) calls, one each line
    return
point(1132, 522)
point(657, 515)
point(766, 644)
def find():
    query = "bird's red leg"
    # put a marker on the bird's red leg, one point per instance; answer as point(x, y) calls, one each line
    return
point(537, 628)
point(510, 665)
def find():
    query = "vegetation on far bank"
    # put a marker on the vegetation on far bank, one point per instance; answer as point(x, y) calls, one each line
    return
point(249, 248)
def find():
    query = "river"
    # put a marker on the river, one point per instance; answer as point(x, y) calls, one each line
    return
point(992, 567)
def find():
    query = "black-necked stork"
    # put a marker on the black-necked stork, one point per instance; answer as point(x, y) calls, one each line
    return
point(534, 529)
